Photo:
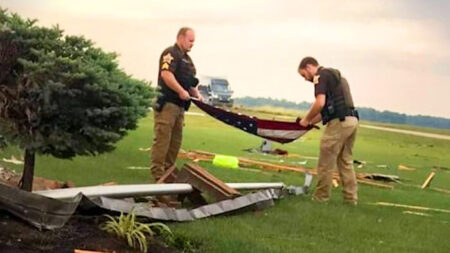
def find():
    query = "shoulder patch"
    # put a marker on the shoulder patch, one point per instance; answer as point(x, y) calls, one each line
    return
point(165, 66)
point(167, 58)
point(316, 79)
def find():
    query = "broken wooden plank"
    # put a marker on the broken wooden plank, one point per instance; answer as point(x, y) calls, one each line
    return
point(428, 180)
point(272, 166)
point(440, 190)
point(405, 168)
point(303, 156)
point(417, 213)
point(366, 182)
point(423, 208)
point(203, 181)
point(194, 156)
point(205, 153)
point(212, 178)
point(430, 188)
point(169, 176)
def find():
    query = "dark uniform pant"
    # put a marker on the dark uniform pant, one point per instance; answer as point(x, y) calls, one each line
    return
point(167, 132)
point(336, 151)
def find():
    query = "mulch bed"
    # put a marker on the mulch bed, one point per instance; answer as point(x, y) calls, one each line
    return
point(80, 232)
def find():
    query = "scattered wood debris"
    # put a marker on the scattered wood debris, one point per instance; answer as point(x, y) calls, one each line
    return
point(137, 168)
point(422, 208)
point(203, 181)
point(169, 176)
point(405, 168)
point(440, 190)
point(302, 162)
point(428, 180)
point(417, 213)
point(13, 160)
point(363, 178)
point(206, 156)
point(276, 167)
point(11, 178)
point(430, 188)
point(303, 156)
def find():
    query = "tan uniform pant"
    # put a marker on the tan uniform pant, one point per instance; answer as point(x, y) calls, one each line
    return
point(167, 132)
point(336, 151)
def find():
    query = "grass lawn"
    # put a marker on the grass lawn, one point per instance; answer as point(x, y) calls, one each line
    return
point(295, 223)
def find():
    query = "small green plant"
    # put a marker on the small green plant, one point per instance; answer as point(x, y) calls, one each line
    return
point(126, 227)
point(182, 242)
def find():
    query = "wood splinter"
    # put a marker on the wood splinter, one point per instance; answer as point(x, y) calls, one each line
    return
point(428, 181)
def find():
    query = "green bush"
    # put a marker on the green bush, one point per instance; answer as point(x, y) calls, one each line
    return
point(60, 95)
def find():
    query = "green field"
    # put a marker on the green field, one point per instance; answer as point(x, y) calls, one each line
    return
point(295, 223)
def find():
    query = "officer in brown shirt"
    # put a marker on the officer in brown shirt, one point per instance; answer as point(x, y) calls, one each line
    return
point(176, 84)
point(334, 107)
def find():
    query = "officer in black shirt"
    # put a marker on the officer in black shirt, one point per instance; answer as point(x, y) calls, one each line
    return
point(176, 84)
point(334, 106)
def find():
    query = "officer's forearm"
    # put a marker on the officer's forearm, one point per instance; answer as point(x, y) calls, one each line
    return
point(316, 108)
point(169, 79)
point(316, 119)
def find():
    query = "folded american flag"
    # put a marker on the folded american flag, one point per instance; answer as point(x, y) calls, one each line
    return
point(279, 131)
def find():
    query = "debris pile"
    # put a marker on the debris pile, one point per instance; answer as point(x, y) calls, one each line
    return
point(362, 178)
point(11, 178)
point(51, 209)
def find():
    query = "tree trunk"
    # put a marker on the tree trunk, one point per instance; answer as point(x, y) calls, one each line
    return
point(28, 171)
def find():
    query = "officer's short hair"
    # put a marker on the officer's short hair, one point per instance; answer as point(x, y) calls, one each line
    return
point(308, 60)
point(183, 31)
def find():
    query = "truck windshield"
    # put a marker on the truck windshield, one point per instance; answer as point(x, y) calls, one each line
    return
point(219, 85)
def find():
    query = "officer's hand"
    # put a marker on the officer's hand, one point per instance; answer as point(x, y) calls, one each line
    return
point(184, 95)
point(304, 122)
point(200, 97)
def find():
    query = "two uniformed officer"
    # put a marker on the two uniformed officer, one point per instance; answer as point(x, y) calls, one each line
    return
point(334, 106)
point(176, 84)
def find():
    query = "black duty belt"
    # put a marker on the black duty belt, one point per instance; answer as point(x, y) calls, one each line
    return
point(353, 113)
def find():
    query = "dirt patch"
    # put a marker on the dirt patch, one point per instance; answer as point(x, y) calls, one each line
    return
point(80, 232)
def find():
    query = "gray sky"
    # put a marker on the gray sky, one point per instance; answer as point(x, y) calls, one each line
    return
point(395, 54)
